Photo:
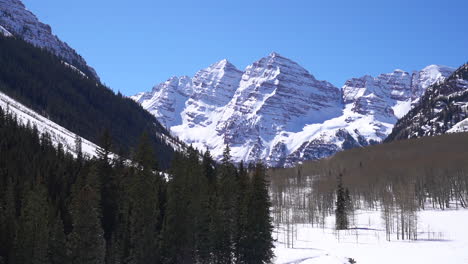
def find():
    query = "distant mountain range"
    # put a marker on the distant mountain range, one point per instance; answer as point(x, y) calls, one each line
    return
point(276, 111)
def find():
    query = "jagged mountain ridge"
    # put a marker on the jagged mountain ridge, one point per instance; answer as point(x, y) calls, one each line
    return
point(16, 20)
point(442, 109)
point(278, 112)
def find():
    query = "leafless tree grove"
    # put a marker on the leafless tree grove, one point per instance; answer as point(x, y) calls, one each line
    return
point(399, 179)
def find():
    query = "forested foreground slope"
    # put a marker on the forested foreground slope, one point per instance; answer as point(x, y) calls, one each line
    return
point(44, 83)
point(55, 208)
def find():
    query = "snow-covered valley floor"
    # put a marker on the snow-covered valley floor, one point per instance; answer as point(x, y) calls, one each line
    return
point(442, 238)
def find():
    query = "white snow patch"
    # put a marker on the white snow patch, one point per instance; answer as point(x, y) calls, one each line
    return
point(74, 68)
point(461, 126)
point(5, 32)
point(401, 108)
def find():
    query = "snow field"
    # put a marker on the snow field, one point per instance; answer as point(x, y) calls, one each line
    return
point(442, 238)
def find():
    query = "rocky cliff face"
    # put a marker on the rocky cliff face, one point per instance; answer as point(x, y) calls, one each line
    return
point(443, 108)
point(278, 112)
point(167, 100)
point(390, 96)
point(213, 88)
point(275, 95)
point(20, 22)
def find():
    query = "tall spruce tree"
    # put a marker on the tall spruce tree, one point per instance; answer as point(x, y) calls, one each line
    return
point(257, 242)
point(341, 217)
point(86, 241)
point(184, 236)
point(8, 222)
point(33, 233)
point(57, 243)
point(198, 200)
point(109, 189)
point(208, 243)
point(225, 214)
point(144, 206)
point(243, 184)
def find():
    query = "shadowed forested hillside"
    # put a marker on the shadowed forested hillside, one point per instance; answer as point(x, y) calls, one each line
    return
point(44, 83)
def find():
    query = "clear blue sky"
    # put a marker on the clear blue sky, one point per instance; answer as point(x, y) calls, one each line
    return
point(136, 44)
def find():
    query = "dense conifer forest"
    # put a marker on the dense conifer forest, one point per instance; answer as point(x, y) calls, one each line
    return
point(44, 83)
point(55, 208)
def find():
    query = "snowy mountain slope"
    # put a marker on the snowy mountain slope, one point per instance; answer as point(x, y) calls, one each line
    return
point(390, 96)
point(57, 133)
point(275, 95)
point(17, 20)
point(276, 111)
point(443, 108)
point(167, 99)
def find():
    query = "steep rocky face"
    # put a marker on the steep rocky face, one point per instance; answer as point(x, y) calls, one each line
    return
point(213, 88)
point(395, 85)
point(428, 76)
point(372, 105)
point(274, 95)
point(276, 111)
point(442, 109)
point(20, 22)
point(390, 96)
point(167, 100)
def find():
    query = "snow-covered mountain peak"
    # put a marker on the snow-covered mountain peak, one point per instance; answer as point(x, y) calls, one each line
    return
point(218, 81)
point(276, 111)
point(166, 99)
point(224, 63)
point(399, 71)
point(437, 69)
point(274, 54)
point(274, 59)
point(398, 85)
point(432, 73)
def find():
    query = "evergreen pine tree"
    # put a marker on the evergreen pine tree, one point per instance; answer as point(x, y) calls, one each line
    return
point(243, 184)
point(105, 143)
point(208, 166)
point(144, 207)
point(185, 237)
point(257, 242)
point(78, 147)
point(109, 189)
point(32, 240)
point(8, 222)
point(225, 215)
point(86, 242)
point(341, 218)
point(57, 243)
